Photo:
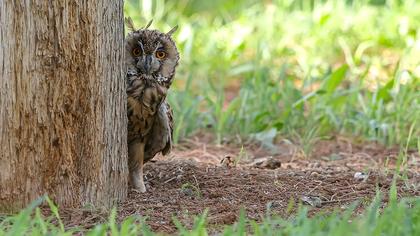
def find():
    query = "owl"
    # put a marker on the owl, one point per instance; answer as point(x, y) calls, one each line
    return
point(151, 58)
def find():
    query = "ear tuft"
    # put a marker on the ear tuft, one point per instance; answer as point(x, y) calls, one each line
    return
point(148, 24)
point(130, 24)
point(172, 31)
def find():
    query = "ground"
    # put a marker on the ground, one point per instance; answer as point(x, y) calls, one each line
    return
point(225, 178)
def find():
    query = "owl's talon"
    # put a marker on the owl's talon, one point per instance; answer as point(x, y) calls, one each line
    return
point(138, 182)
point(139, 190)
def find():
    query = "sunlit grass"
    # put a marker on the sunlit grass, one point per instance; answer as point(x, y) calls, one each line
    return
point(395, 218)
point(347, 67)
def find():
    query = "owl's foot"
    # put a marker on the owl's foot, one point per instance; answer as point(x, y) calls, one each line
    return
point(138, 182)
point(136, 163)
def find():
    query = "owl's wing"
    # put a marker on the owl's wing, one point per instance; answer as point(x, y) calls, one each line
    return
point(170, 128)
point(160, 138)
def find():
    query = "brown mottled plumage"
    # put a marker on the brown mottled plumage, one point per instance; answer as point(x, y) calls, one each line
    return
point(151, 59)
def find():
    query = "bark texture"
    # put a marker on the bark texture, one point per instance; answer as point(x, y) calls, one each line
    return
point(62, 102)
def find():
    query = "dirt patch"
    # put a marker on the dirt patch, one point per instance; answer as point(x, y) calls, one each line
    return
point(225, 179)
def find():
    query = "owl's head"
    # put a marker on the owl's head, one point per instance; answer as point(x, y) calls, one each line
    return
point(151, 54)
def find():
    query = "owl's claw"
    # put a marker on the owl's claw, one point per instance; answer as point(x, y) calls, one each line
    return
point(139, 190)
point(138, 183)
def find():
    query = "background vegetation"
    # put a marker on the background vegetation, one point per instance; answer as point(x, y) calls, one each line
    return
point(304, 69)
point(300, 69)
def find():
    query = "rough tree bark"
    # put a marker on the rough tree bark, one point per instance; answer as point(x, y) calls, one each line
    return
point(62, 102)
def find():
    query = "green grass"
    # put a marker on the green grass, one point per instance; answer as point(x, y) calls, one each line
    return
point(307, 69)
point(397, 218)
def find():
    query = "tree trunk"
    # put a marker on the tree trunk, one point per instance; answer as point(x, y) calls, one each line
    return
point(62, 102)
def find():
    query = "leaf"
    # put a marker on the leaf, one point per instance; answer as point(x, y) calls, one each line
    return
point(335, 79)
point(384, 92)
point(261, 116)
point(278, 124)
point(308, 97)
point(266, 138)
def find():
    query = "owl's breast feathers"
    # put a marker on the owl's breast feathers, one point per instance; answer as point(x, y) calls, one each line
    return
point(149, 116)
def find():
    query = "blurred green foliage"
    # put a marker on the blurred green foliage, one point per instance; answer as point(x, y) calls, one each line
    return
point(304, 68)
point(396, 218)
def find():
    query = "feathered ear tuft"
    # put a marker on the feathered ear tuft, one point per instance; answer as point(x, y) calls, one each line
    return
point(148, 24)
point(130, 24)
point(172, 31)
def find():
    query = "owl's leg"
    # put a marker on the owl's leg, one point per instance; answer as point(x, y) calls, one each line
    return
point(136, 161)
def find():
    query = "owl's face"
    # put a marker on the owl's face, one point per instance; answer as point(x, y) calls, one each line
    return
point(151, 54)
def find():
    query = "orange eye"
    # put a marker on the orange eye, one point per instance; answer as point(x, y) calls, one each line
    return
point(160, 54)
point(136, 52)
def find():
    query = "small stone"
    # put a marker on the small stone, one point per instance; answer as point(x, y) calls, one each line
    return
point(314, 174)
point(314, 165)
point(273, 204)
point(312, 200)
point(361, 176)
point(187, 192)
point(266, 163)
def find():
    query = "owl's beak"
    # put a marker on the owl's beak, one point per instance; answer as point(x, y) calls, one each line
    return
point(148, 64)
